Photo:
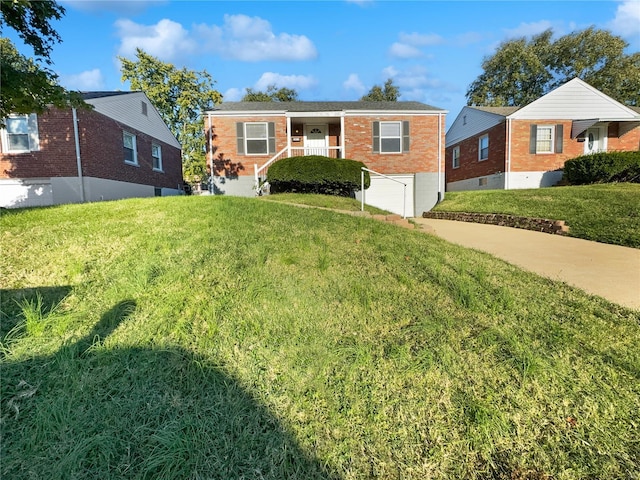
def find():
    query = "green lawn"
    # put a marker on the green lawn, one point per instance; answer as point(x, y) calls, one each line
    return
point(608, 213)
point(229, 338)
point(323, 201)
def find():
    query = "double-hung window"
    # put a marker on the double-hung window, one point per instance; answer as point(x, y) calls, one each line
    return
point(455, 159)
point(20, 134)
point(156, 156)
point(390, 137)
point(130, 151)
point(256, 138)
point(546, 139)
point(483, 148)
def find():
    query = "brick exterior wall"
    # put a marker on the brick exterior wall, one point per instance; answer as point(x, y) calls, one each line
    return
point(521, 159)
point(422, 155)
point(470, 166)
point(101, 149)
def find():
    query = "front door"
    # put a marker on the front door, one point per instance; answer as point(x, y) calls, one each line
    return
point(315, 140)
point(594, 140)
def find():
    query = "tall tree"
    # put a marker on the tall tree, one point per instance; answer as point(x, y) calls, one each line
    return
point(388, 93)
point(522, 70)
point(27, 85)
point(180, 96)
point(272, 94)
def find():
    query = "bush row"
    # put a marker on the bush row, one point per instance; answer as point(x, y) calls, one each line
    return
point(604, 167)
point(317, 174)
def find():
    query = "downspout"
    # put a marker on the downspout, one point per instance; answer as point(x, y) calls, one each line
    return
point(440, 189)
point(288, 136)
point(210, 153)
point(76, 137)
point(508, 160)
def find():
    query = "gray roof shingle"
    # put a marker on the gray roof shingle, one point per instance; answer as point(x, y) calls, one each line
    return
point(322, 106)
point(504, 111)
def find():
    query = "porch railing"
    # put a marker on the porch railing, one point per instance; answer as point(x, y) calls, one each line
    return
point(286, 152)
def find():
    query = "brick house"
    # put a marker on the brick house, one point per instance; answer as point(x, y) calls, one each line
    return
point(404, 141)
point(526, 147)
point(122, 148)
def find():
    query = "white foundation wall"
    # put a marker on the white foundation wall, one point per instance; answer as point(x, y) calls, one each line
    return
point(519, 180)
point(488, 182)
point(38, 192)
point(389, 195)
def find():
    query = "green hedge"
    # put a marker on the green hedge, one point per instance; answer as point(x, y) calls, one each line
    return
point(604, 167)
point(317, 174)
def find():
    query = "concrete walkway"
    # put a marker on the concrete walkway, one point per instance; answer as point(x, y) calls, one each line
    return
point(609, 271)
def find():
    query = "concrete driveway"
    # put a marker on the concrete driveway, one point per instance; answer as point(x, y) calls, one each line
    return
point(609, 271)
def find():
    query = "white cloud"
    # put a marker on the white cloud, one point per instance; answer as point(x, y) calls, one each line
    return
point(167, 39)
point(528, 29)
point(421, 39)
point(415, 82)
point(355, 84)
point(252, 39)
point(468, 38)
point(296, 82)
point(233, 95)
point(84, 81)
point(626, 23)
point(402, 50)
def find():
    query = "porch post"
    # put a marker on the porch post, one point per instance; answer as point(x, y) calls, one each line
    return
point(342, 142)
point(288, 136)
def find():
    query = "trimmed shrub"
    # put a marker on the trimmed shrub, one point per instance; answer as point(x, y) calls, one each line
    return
point(603, 167)
point(317, 174)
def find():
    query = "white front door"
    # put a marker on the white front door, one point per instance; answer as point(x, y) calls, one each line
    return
point(315, 140)
point(594, 140)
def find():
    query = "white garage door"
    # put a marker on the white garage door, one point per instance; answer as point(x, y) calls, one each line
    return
point(389, 195)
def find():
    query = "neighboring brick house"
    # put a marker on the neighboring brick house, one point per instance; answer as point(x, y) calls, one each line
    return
point(402, 140)
point(122, 148)
point(526, 147)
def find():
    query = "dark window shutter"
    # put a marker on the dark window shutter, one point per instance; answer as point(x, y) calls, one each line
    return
point(240, 137)
point(405, 136)
point(272, 137)
point(559, 131)
point(376, 137)
point(533, 139)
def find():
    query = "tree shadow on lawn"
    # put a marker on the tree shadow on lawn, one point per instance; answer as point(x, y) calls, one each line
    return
point(88, 411)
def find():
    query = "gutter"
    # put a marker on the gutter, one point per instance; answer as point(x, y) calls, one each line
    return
point(508, 159)
point(440, 189)
point(210, 152)
point(78, 157)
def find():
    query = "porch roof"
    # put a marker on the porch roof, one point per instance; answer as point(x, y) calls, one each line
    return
point(304, 107)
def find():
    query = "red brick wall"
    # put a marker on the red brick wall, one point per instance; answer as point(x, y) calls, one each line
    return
point(470, 166)
point(422, 155)
point(630, 141)
point(523, 161)
point(101, 150)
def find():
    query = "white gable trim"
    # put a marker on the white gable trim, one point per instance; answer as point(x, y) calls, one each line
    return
point(477, 121)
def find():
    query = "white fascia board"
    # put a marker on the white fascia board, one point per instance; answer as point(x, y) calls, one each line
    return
point(335, 114)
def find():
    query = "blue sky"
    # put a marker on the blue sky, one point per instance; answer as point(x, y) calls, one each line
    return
point(326, 50)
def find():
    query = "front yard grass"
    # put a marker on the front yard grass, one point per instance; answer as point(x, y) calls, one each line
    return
point(212, 337)
point(607, 213)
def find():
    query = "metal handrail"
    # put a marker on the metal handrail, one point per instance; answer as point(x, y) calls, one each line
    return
point(404, 189)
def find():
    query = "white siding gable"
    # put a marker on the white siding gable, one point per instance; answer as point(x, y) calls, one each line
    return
point(127, 109)
point(575, 100)
point(469, 122)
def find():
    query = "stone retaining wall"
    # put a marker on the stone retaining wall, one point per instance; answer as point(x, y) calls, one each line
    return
point(557, 227)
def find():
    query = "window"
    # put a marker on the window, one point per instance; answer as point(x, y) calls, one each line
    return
point(156, 155)
point(544, 139)
point(455, 161)
point(391, 137)
point(20, 134)
point(483, 148)
point(256, 138)
point(144, 108)
point(130, 153)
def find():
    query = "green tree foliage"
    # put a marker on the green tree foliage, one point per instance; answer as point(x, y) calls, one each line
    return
point(181, 96)
point(388, 93)
point(272, 94)
point(27, 85)
point(522, 70)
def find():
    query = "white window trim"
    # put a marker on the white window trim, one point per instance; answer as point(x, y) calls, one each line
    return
point(480, 159)
point(454, 157)
point(135, 148)
point(33, 137)
point(553, 139)
point(161, 167)
point(398, 137)
point(247, 138)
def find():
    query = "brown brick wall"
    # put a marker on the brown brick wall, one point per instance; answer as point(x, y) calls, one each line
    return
point(470, 166)
point(101, 150)
point(422, 155)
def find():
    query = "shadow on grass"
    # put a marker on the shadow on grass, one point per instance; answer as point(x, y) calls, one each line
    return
point(93, 410)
